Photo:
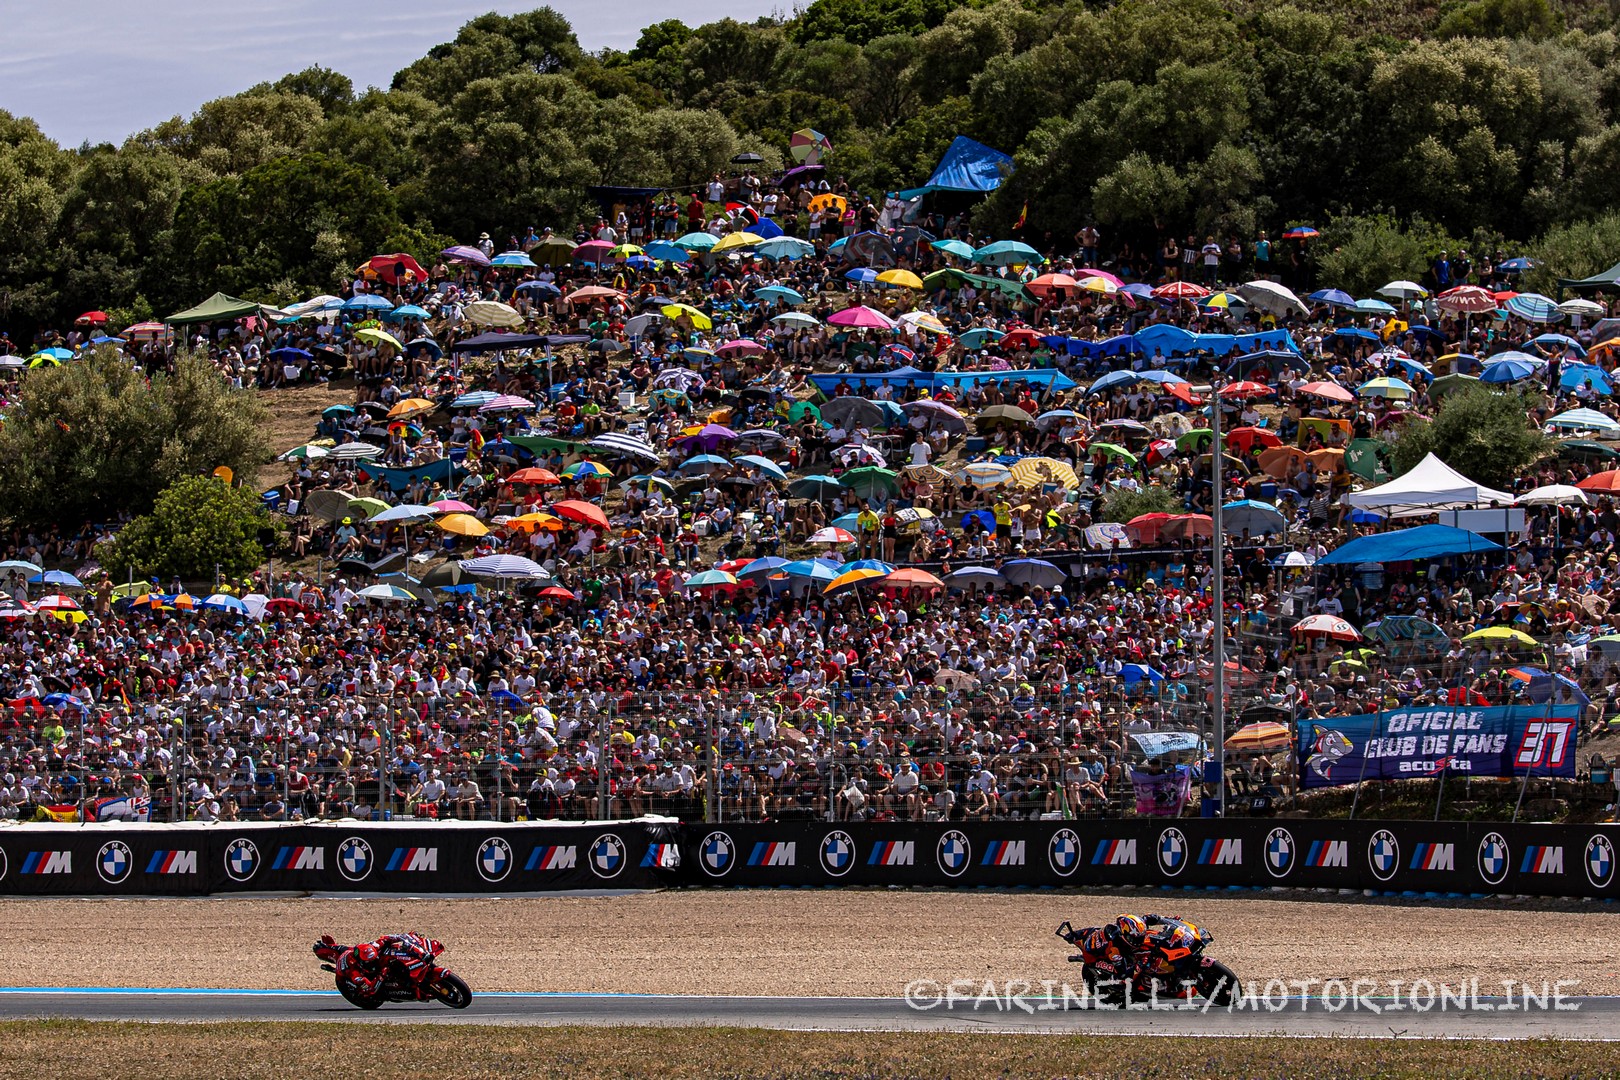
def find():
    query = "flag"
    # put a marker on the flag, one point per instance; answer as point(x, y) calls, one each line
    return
point(1023, 216)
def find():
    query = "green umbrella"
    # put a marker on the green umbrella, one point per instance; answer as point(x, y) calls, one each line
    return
point(1112, 451)
point(368, 507)
point(1587, 448)
point(446, 575)
point(801, 410)
point(871, 481)
point(1447, 384)
point(1196, 439)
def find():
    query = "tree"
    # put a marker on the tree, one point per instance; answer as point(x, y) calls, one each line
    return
point(1480, 432)
point(198, 527)
point(95, 439)
point(1360, 254)
point(1122, 505)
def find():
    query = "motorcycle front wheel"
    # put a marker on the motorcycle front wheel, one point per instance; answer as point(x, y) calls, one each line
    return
point(449, 988)
point(1104, 990)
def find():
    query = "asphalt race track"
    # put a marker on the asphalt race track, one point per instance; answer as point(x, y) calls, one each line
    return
point(1487, 1018)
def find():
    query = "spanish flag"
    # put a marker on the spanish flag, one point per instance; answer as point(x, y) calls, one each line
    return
point(1023, 216)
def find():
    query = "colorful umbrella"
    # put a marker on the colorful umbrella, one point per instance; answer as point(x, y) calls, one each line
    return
point(808, 146)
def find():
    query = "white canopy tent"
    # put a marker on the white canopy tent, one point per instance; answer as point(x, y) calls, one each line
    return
point(1431, 485)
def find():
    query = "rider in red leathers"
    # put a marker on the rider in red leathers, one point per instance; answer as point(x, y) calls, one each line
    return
point(366, 965)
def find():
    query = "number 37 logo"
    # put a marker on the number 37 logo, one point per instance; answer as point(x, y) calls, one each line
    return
point(1545, 744)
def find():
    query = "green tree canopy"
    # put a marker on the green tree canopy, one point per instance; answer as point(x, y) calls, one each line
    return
point(199, 526)
point(1480, 432)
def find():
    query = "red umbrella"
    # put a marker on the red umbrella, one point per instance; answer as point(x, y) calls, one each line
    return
point(557, 592)
point(283, 604)
point(1245, 390)
point(1466, 299)
point(92, 317)
point(1181, 290)
point(1245, 438)
point(535, 476)
point(911, 578)
point(1183, 392)
point(1330, 391)
point(395, 268)
point(582, 512)
point(1052, 283)
point(1182, 525)
point(1022, 338)
point(1608, 480)
point(1327, 626)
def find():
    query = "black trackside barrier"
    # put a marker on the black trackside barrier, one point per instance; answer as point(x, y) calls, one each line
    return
point(491, 857)
point(200, 860)
point(1391, 856)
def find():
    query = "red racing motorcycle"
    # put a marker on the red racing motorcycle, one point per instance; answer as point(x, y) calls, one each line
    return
point(396, 985)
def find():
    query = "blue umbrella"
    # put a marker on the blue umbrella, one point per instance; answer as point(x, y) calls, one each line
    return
point(703, 461)
point(1163, 378)
point(56, 577)
point(1355, 332)
point(847, 522)
point(63, 701)
point(287, 350)
point(762, 568)
point(871, 564)
point(224, 602)
point(764, 465)
point(338, 410)
point(506, 698)
point(1336, 297)
point(1510, 367)
point(1252, 516)
point(1122, 377)
point(983, 517)
point(640, 262)
point(816, 486)
point(1371, 306)
point(663, 249)
point(367, 302)
point(1007, 253)
point(784, 247)
point(978, 337)
point(953, 247)
point(425, 344)
point(1534, 307)
point(1412, 367)
point(1575, 376)
point(863, 274)
point(474, 399)
point(780, 292)
point(1516, 265)
point(512, 258)
point(1138, 289)
point(1032, 572)
point(539, 286)
point(1135, 673)
point(1561, 341)
point(975, 575)
point(811, 569)
point(407, 311)
point(1272, 359)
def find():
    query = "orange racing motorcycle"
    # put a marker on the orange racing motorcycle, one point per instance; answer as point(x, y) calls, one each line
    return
point(1153, 959)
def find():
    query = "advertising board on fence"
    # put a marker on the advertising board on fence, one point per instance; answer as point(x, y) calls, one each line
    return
point(1496, 740)
point(491, 857)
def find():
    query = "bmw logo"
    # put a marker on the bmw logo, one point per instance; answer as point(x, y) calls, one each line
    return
point(607, 856)
point(114, 862)
point(1383, 854)
point(1279, 852)
point(1493, 858)
point(954, 853)
point(1063, 852)
point(1172, 851)
point(837, 852)
point(241, 859)
point(354, 859)
point(1600, 861)
point(494, 859)
point(716, 854)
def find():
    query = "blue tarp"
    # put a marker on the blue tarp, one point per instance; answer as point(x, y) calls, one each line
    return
point(910, 376)
point(1172, 340)
point(967, 166)
point(444, 471)
point(1423, 542)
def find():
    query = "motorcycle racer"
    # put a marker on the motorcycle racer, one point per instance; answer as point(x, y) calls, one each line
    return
point(367, 964)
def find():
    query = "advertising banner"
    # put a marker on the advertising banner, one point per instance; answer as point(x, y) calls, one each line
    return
point(1496, 740)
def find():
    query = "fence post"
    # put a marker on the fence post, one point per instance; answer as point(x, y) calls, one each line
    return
point(711, 769)
point(604, 757)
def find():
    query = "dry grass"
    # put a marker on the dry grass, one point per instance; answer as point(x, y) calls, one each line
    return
point(294, 412)
point(37, 1050)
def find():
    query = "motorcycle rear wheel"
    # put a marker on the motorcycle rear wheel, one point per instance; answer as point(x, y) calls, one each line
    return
point(1104, 991)
point(449, 988)
point(1218, 985)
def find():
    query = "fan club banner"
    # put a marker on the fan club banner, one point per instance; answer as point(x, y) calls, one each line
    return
point(1406, 744)
point(1428, 858)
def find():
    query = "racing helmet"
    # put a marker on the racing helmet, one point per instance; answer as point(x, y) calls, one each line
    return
point(1130, 931)
point(366, 955)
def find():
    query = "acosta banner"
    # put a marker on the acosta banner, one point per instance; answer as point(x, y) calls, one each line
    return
point(1496, 740)
point(451, 857)
point(1440, 857)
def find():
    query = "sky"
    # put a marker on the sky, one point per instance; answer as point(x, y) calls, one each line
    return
point(101, 70)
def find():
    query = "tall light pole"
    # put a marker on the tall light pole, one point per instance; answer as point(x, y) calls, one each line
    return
point(1215, 771)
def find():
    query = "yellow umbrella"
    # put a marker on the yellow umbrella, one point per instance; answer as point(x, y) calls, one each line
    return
point(411, 406)
point(699, 320)
point(924, 321)
point(737, 240)
point(829, 202)
point(624, 251)
point(462, 525)
point(531, 522)
point(1035, 471)
point(1098, 285)
point(904, 279)
point(851, 578)
point(379, 337)
point(1503, 633)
